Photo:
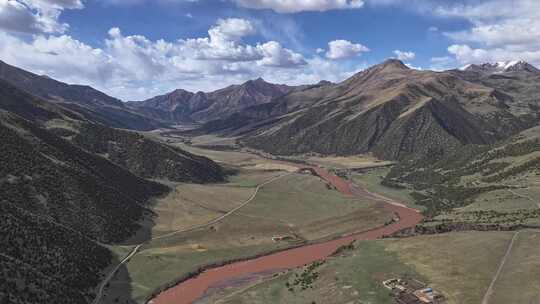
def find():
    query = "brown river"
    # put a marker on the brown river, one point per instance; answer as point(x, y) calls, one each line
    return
point(194, 288)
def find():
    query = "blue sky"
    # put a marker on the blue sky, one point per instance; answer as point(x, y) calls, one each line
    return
point(134, 49)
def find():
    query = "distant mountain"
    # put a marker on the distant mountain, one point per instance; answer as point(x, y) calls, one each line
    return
point(68, 187)
point(184, 106)
point(388, 109)
point(93, 104)
point(502, 67)
point(517, 79)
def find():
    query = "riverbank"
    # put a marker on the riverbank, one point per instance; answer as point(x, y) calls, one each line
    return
point(193, 288)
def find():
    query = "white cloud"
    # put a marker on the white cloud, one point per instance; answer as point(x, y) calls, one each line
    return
point(404, 56)
point(34, 16)
point(232, 29)
point(314, 71)
point(319, 50)
point(342, 49)
point(58, 4)
point(410, 66)
point(276, 56)
point(501, 30)
point(224, 42)
point(295, 6)
point(441, 63)
point(61, 56)
point(135, 67)
point(466, 54)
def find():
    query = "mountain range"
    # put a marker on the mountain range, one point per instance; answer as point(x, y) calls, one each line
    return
point(71, 185)
point(76, 175)
point(89, 102)
point(183, 106)
point(392, 111)
point(502, 67)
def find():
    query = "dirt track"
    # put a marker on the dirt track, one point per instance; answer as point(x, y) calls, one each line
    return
point(135, 250)
point(192, 289)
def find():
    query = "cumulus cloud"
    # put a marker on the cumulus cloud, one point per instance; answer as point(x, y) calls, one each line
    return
point(232, 29)
point(295, 6)
point(61, 56)
point(134, 67)
point(34, 16)
point(224, 42)
point(342, 49)
point(404, 56)
point(466, 54)
point(277, 56)
point(441, 63)
point(501, 30)
point(316, 69)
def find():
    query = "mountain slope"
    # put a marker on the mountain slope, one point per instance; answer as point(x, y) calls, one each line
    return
point(389, 109)
point(145, 157)
point(56, 198)
point(491, 177)
point(61, 200)
point(519, 80)
point(91, 103)
point(184, 106)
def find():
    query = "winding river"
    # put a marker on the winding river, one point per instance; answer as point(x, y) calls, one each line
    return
point(194, 288)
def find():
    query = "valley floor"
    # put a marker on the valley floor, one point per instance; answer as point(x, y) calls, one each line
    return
point(461, 265)
point(292, 209)
point(289, 210)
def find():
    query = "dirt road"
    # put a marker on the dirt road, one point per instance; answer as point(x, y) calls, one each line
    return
point(135, 250)
point(489, 291)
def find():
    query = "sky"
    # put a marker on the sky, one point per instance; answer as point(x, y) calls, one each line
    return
point(136, 49)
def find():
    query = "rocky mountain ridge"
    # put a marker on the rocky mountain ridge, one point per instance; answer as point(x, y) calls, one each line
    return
point(388, 109)
point(184, 106)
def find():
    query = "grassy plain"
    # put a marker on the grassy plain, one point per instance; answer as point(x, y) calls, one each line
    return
point(460, 265)
point(519, 281)
point(296, 205)
point(353, 277)
point(347, 162)
point(312, 210)
point(371, 180)
point(189, 205)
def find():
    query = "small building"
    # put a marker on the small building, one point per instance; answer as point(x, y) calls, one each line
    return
point(411, 291)
point(428, 295)
point(278, 238)
point(407, 298)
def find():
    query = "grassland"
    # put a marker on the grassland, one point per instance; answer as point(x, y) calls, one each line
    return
point(371, 180)
point(501, 181)
point(300, 206)
point(347, 162)
point(211, 139)
point(519, 281)
point(354, 277)
point(519, 203)
point(193, 204)
point(460, 265)
point(312, 210)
